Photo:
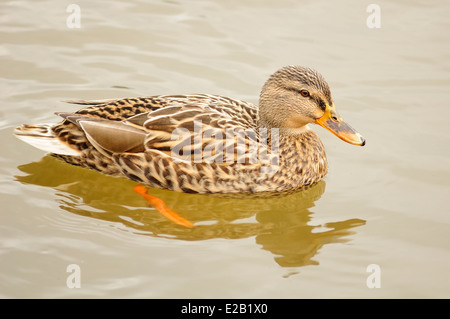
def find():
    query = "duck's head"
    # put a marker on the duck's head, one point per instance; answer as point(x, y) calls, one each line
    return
point(295, 96)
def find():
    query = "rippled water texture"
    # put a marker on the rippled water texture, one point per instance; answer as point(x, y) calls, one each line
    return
point(384, 204)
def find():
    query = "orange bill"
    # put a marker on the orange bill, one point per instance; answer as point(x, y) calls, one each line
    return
point(162, 208)
point(336, 125)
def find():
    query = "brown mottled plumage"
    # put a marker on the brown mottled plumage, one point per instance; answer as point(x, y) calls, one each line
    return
point(241, 148)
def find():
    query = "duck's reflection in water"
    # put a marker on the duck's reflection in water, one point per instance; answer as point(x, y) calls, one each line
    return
point(281, 223)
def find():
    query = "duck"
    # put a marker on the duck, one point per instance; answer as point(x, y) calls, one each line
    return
point(204, 143)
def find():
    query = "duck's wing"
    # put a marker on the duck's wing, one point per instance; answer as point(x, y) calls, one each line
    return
point(202, 128)
point(178, 125)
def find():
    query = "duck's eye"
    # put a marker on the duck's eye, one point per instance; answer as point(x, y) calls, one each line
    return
point(304, 93)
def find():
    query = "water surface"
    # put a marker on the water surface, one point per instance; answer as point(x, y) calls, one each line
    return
point(384, 204)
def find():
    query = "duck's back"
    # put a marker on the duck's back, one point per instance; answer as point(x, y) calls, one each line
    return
point(123, 109)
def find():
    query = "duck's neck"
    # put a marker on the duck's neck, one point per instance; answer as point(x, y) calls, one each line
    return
point(294, 132)
point(285, 131)
point(302, 157)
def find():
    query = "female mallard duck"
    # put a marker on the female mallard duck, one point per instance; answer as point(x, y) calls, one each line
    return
point(204, 143)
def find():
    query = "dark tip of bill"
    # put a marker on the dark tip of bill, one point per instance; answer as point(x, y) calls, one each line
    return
point(363, 142)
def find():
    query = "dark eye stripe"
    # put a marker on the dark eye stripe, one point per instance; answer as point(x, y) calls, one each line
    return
point(322, 104)
point(318, 99)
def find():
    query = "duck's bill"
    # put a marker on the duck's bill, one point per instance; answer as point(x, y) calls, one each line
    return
point(336, 125)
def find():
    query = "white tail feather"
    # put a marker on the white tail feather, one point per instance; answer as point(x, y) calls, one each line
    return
point(42, 137)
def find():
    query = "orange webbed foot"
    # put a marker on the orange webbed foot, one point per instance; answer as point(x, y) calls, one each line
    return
point(161, 207)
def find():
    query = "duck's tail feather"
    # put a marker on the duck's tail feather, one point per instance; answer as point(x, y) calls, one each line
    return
point(42, 137)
